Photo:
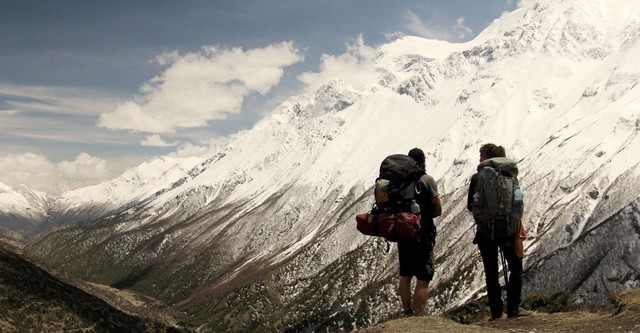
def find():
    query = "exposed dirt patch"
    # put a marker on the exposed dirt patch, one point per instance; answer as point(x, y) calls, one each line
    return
point(426, 325)
point(579, 321)
point(625, 319)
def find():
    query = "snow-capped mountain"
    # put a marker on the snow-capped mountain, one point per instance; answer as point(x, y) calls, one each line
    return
point(269, 220)
point(26, 212)
point(22, 210)
point(134, 186)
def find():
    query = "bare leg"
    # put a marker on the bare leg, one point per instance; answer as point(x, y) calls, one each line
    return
point(420, 296)
point(405, 292)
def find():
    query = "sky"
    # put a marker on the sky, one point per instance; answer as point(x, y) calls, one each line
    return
point(89, 89)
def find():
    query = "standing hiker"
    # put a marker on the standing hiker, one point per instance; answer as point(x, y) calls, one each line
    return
point(497, 211)
point(416, 255)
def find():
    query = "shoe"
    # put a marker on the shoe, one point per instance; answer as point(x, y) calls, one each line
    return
point(519, 313)
point(492, 318)
point(408, 313)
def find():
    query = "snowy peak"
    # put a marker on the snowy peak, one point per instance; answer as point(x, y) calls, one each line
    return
point(133, 185)
point(22, 211)
point(586, 28)
point(23, 201)
point(26, 211)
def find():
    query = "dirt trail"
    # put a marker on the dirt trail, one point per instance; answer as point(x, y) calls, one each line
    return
point(625, 319)
point(569, 322)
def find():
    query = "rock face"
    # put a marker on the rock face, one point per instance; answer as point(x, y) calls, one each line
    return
point(261, 235)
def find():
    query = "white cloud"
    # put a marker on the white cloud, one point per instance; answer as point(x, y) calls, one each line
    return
point(190, 150)
point(9, 112)
point(84, 166)
point(55, 100)
point(207, 148)
point(203, 86)
point(53, 116)
point(391, 36)
point(461, 30)
point(39, 173)
point(353, 67)
point(415, 25)
point(157, 141)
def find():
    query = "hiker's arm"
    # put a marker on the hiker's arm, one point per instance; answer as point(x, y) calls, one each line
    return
point(432, 187)
point(472, 191)
point(437, 206)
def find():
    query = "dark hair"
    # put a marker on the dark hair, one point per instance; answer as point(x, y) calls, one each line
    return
point(490, 150)
point(418, 155)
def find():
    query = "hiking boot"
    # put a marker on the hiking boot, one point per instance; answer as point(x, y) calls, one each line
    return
point(520, 312)
point(494, 318)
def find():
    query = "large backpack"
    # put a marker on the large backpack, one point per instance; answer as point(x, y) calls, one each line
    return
point(497, 201)
point(391, 216)
point(395, 187)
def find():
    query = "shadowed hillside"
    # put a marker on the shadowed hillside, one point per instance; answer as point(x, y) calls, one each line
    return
point(32, 300)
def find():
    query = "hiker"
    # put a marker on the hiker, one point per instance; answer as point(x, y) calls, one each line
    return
point(416, 255)
point(489, 244)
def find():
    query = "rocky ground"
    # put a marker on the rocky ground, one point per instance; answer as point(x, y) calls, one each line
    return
point(625, 318)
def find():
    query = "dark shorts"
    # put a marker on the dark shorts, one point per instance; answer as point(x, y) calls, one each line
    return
point(416, 259)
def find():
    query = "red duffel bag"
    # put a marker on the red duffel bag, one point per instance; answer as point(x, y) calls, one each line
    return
point(393, 227)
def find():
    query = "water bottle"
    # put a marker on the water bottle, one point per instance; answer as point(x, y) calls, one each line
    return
point(415, 208)
point(517, 195)
point(518, 204)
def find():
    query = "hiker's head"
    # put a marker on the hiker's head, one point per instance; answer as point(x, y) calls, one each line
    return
point(490, 150)
point(418, 155)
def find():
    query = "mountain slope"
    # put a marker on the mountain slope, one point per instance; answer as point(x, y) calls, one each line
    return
point(32, 299)
point(22, 211)
point(25, 213)
point(136, 185)
point(268, 220)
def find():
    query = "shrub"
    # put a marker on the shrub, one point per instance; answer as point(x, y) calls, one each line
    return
point(563, 301)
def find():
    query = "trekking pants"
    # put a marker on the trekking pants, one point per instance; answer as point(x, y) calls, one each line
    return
point(489, 252)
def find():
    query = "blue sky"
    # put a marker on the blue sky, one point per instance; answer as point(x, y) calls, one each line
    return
point(91, 88)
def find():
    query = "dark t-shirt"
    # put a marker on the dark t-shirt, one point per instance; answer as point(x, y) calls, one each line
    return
point(416, 256)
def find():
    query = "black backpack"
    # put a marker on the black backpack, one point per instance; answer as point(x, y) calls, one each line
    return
point(392, 216)
point(395, 187)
